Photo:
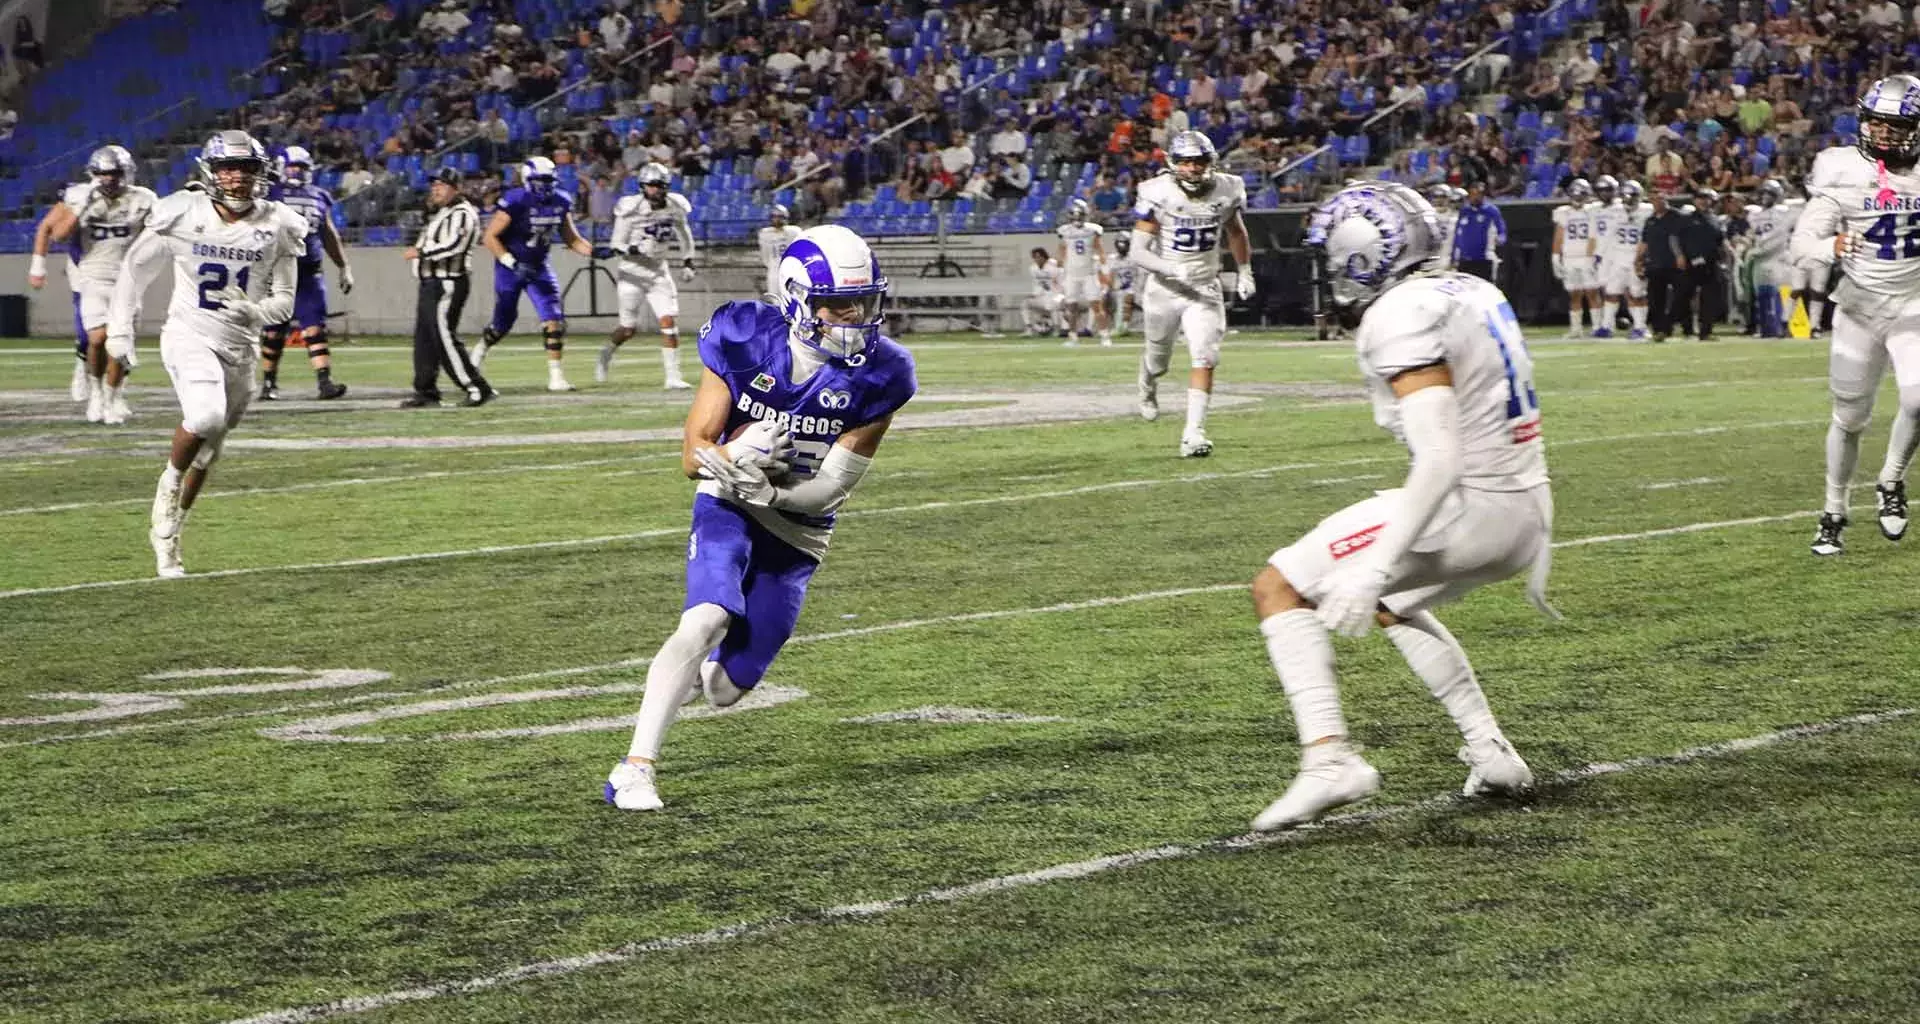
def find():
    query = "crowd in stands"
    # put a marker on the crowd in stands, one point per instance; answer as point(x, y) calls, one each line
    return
point(1012, 108)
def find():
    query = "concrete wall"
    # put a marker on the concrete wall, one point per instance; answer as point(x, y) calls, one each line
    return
point(385, 290)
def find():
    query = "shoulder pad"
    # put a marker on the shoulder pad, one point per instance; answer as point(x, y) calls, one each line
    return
point(679, 202)
point(738, 334)
point(563, 196)
point(512, 198)
point(893, 367)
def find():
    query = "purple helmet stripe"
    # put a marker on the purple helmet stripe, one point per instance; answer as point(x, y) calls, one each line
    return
point(819, 271)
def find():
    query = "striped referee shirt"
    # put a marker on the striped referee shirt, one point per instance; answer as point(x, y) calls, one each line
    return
point(446, 241)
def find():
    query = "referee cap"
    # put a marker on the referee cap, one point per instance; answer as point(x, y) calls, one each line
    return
point(451, 176)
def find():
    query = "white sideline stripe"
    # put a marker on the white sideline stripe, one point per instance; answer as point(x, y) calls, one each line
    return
point(361, 481)
point(1027, 879)
point(999, 499)
point(1698, 481)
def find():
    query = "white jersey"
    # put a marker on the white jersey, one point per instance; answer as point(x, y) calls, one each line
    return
point(774, 242)
point(1046, 278)
point(1449, 222)
point(1771, 228)
point(256, 252)
point(1123, 277)
point(1574, 223)
point(1468, 324)
point(1603, 223)
point(639, 224)
point(1079, 240)
point(106, 228)
point(1847, 194)
point(1191, 229)
point(1624, 229)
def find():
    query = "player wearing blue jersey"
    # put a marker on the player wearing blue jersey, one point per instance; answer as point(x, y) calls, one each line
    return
point(791, 407)
point(296, 191)
point(525, 223)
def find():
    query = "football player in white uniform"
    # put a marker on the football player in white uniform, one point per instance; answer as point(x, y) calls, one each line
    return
point(1086, 279)
point(1042, 309)
point(1180, 218)
point(102, 218)
point(1446, 204)
point(1771, 228)
point(1573, 255)
point(774, 239)
point(1450, 377)
point(1863, 203)
point(37, 278)
point(1125, 276)
point(643, 225)
point(1621, 277)
point(233, 256)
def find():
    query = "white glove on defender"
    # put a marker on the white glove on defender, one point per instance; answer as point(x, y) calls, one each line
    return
point(120, 346)
point(1349, 607)
point(346, 280)
point(1243, 284)
point(1559, 267)
point(234, 299)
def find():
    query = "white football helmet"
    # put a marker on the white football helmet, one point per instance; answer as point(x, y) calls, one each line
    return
point(1605, 186)
point(1630, 193)
point(1190, 148)
point(1373, 236)
point(295, 157)
point(1890, 121)
point(111, 168)
point(1077, 211)
point(832, 264)
point(234, 151)
point(1771, 192)
point(537, 175)
point(778, 215)
point(1579, 191)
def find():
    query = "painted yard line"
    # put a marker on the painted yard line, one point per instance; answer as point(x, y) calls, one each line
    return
point(841, 634)
point(1028, 879)
point(1002, 499)
point(317, 485)
point(1698, 481)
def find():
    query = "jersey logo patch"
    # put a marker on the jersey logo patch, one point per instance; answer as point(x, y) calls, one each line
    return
point(1353, 542)
point(761, 382)
point(831, 399)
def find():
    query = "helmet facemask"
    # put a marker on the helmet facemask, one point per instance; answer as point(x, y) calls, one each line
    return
point(1890, 138)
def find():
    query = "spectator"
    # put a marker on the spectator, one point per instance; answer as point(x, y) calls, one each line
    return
point(615, 28)
point(784, 62)
point(1665, 169)
point(443, 22)
point(601, 196)
point(1755, 113)
point(356, 180)
point(1008, 141)
point(957, 159)
point(494, 136)
point(634, 155)
point(1012, 178)
point(1109, 196)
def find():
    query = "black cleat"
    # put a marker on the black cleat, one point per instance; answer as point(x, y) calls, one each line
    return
point(332, 389)
point(480, 398)
point(1893, 509)
point(419, 401)
point(1827, 541)
point(269, 391)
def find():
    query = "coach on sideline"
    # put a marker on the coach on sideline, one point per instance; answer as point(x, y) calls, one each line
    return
point(442, 261)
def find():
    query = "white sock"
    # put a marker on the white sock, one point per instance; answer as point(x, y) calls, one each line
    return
point(1639, 314)
point(554, 371)
point(1435, 656)
point(673, 672)
point(1814, 308)
point(170, 477)
point(96, 386)
point(670, 362)
point(1609, 312)
point(1302, 655)
point(1843, 454)
point(113, 392)
point(1900, 447)
point(1197, 410)
point(1573, 318)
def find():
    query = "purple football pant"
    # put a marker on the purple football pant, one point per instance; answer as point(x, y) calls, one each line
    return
point(759, 579)
point(310, 299)
point(543, 289)
point(79, 329)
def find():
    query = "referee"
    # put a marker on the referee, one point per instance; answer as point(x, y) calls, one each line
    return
point(441, 261)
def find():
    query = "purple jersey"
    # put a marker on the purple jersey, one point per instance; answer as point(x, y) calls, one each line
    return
point(309, 201)
point(536, 221)
point(746, 345)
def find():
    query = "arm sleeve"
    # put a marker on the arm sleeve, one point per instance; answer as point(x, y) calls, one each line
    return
point(145, 259)
point(1143, 256)
point(1430, 422)
point(827, 489)
point(277, 307)
point(1814, 232)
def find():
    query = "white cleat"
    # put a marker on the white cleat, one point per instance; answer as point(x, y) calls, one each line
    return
point(96, 404)
point(630, 787)
point(1495, 769)
point(555, 382)
point(166, 556)
point(677, 384)
point(1106, 340)
point(1149, 401)
point(78, 389)
point(1195, 446)
point(603, 365)
point(720, 691)
point(167, 513)
point(1331, 775)
point(118, 411)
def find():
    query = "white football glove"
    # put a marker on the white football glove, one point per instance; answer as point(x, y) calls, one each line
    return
point(1559, 267)
point(745, 481)
point(37, 270)
point(346, 280)
point(1243, 285)
point(120, 346)
point(233, 299)
point(1349, 607)
point(761, 444)
point(686, 271)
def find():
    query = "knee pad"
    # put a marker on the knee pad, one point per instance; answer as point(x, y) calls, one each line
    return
point(316, 342)
point(555, 335)
point(1851, 413)
point(209, 452)
point(207, 424)
point(1155, 357)
point(273, 341)
point(704, 625)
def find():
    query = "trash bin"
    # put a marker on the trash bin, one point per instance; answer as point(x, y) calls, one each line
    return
point(13, 316)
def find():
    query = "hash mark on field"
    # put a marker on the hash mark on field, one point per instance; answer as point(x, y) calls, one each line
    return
point(1028, 879)
point(1698, 481)
point(947, 716)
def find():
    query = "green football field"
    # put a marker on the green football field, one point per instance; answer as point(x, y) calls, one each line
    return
point(351, 767)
